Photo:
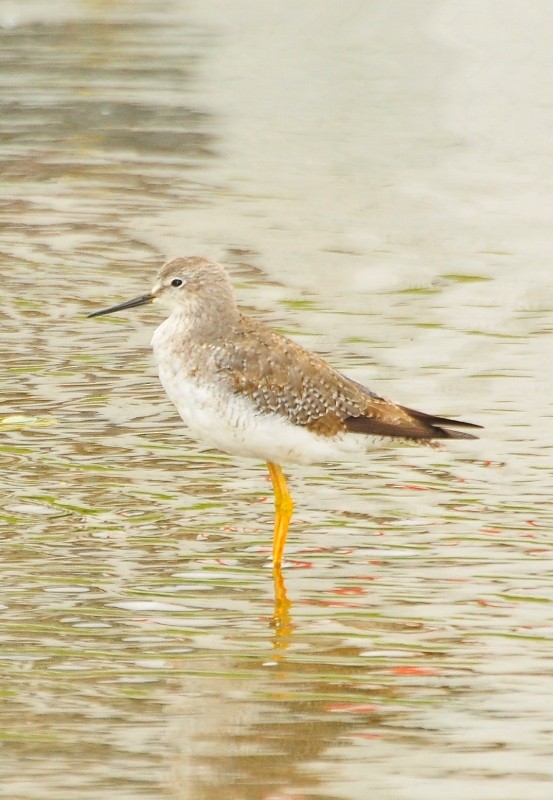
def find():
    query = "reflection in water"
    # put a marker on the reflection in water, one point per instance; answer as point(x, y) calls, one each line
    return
point(282, 620)
point(266, 733)
point(140, 632)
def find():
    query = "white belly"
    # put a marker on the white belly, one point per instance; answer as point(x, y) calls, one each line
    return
point(232, 424)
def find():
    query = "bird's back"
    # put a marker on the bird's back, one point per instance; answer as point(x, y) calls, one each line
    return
point(279, 376)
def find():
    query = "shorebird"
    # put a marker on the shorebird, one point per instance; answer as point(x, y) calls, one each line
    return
point(247, 390)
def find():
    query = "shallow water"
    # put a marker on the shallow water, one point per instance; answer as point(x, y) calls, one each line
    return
point(381, 192)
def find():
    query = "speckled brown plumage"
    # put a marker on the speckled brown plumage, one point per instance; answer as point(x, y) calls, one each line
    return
point(208, 341)
point(279, 376)
point(246, 390)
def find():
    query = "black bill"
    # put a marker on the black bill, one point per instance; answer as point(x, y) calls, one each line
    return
point(137, 301)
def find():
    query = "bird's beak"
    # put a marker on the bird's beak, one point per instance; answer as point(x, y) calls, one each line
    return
point(137, 301)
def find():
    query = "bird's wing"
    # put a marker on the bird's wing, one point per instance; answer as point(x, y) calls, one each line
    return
point(436, 427)
point(280, 377)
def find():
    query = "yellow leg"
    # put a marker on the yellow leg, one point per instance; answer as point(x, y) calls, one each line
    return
point(283, 511)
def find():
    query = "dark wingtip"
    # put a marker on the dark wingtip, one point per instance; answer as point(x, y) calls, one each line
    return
point(417, 426)
point(442, 425)
point(449, 434)
point(421, 426)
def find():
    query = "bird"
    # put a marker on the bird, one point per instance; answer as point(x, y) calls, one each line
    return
point(249, 391)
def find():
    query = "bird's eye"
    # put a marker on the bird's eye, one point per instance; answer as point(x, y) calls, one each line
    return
point(176, 282)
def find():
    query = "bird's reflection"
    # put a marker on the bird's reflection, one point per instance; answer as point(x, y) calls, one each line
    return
point(282, 618)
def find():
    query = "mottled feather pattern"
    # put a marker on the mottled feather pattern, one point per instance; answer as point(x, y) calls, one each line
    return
point(207, 341)
point(281, 377)
point(246, 390)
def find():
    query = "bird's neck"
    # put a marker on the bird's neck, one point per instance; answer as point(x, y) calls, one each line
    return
point(204, 323)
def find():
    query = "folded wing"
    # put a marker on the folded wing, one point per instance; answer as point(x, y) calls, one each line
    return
point(278, 376)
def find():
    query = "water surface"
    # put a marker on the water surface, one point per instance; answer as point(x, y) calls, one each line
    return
point(377, 179)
